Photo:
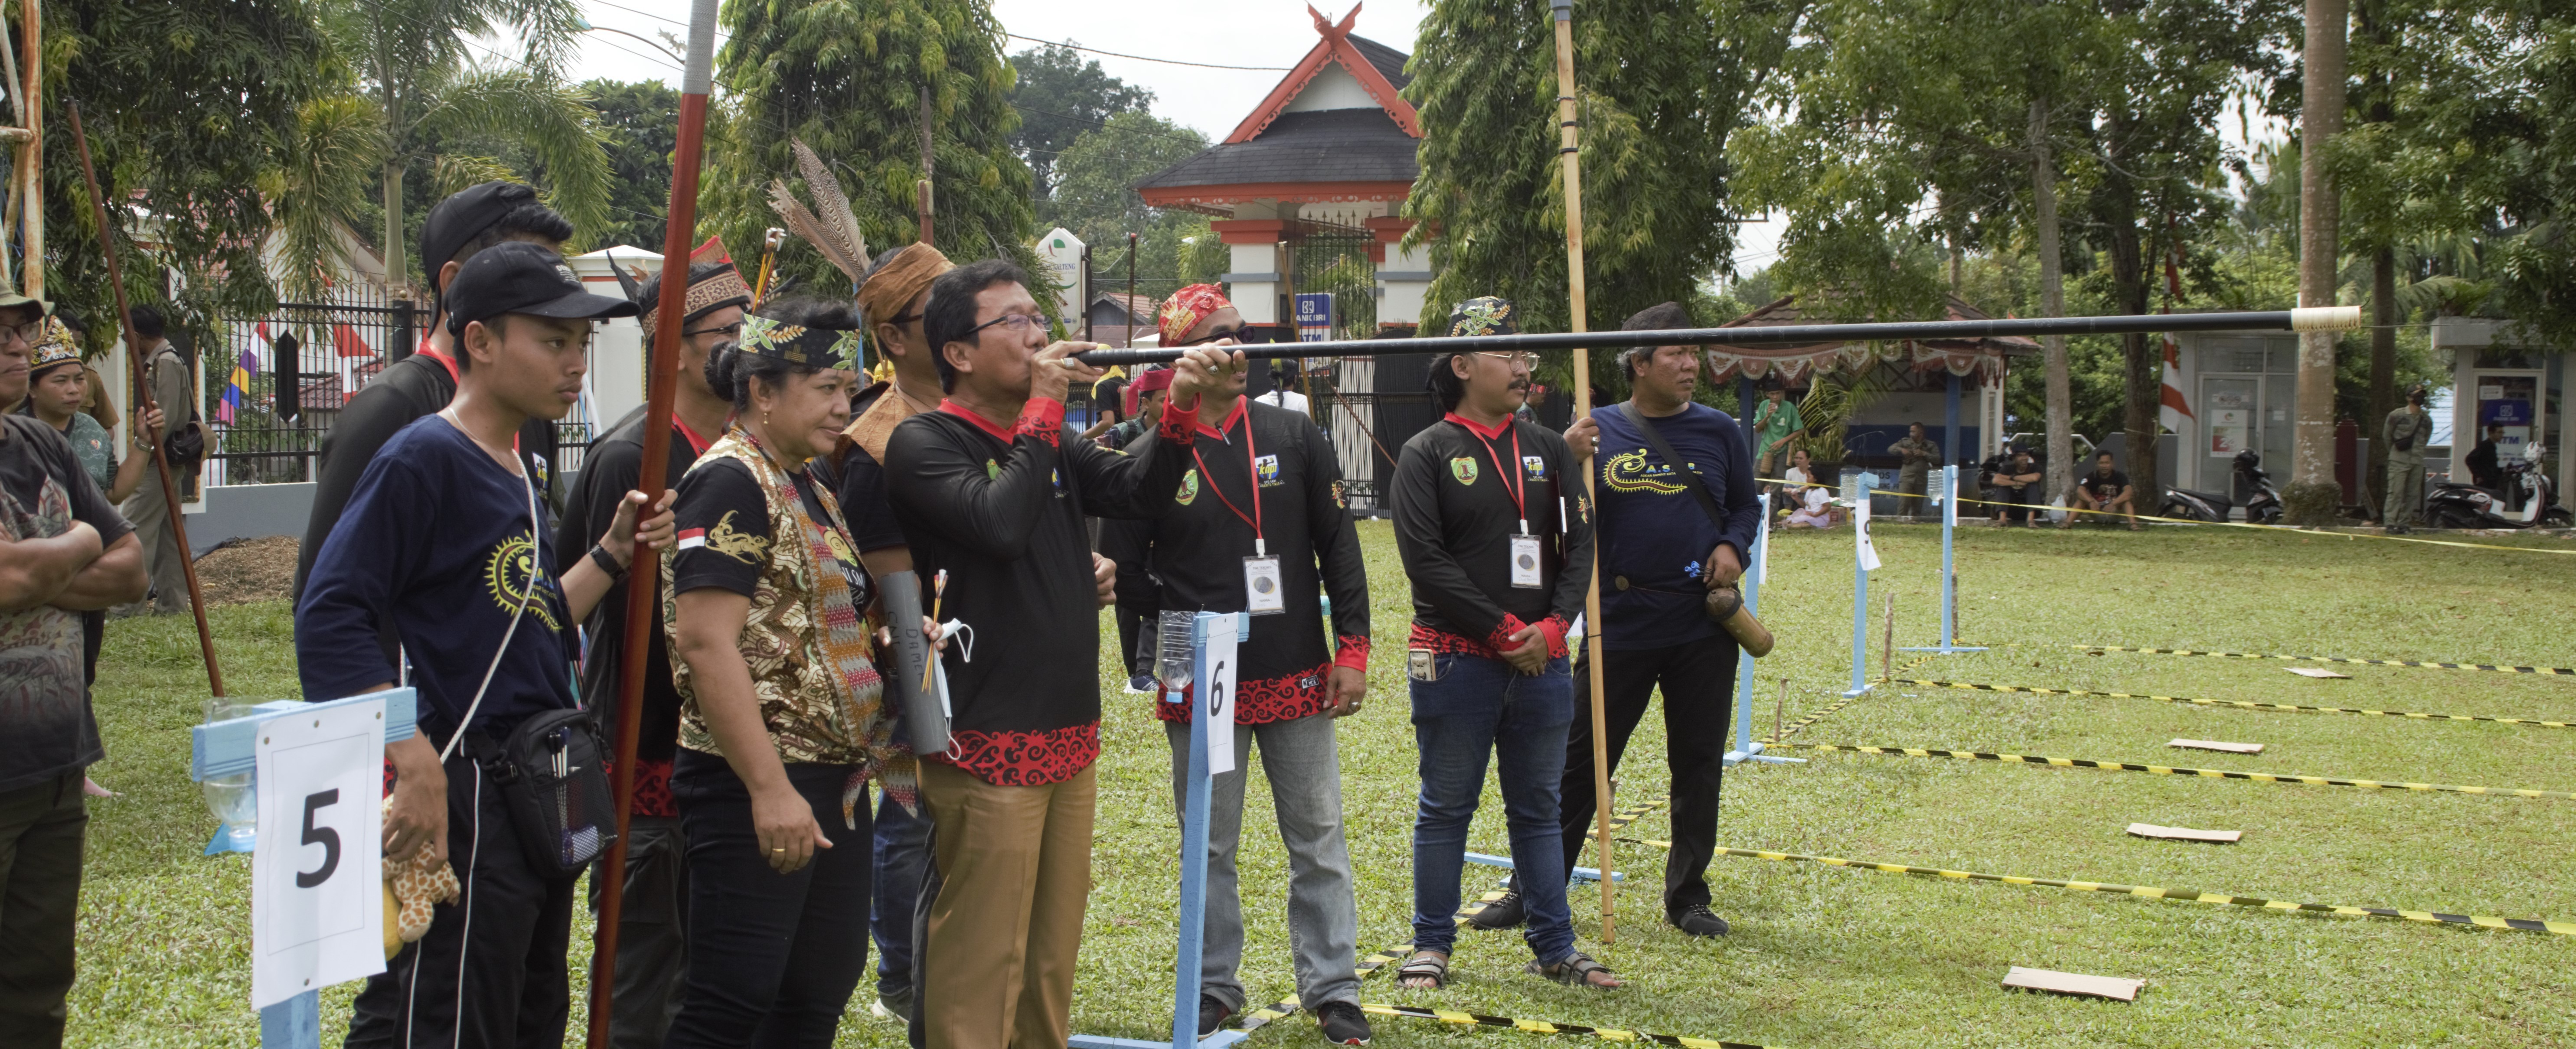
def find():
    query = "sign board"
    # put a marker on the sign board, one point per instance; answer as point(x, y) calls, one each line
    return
point(1868, 551)
point(317, 896)
point(1314, 316)
point(1216, 701)
point(1063, 254)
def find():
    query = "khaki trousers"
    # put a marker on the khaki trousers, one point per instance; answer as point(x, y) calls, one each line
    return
point(168, 565)
point(999, 944)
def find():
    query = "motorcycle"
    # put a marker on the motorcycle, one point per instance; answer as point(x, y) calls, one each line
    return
point(2262, 505)
point(2453, 505)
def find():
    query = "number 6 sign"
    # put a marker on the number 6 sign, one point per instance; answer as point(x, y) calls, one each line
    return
point(317, 898)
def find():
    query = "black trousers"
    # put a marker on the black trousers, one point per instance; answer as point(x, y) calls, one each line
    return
point(41, 831)
point(1132, 616)
point(1698, 682)
point(652, 928)
point(773, 958)
point(490, 973)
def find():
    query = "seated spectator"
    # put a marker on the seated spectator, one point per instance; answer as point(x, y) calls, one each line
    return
point(2020, 486)
point(1811, 504)
point(2104, 490)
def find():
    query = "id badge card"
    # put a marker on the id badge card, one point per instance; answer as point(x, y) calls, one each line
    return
point(1525, 562)
point(1262, 594)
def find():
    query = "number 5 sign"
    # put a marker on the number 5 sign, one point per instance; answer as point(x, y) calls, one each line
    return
point(317, 897)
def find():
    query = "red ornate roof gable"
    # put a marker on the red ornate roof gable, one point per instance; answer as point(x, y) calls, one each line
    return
point(1334, 47)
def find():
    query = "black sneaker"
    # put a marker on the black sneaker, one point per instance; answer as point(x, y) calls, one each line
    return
point(1697, 921)
point(1343, 1023)
point(1140, 685)
point(1212, 1014)
point(1501, 914)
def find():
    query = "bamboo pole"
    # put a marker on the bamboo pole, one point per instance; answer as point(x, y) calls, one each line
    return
point(136, 360)
point(1567, 150)
point(31, 155)
point(643, 585)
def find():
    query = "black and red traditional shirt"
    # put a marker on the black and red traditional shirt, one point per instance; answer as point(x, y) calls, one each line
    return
point(1001, 512)
point(1461, 493)
point(1264, 482)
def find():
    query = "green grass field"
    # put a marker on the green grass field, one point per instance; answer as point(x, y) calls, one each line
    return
point(1820, 956)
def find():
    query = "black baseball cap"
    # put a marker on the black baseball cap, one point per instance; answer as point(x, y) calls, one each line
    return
point(519, 277)
point(464, 216)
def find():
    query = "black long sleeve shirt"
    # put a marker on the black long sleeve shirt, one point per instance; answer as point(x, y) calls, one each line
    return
point(1455, 514)
point(1001, 512)
point(1304, 520)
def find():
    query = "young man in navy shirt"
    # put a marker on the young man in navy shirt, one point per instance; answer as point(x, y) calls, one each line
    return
point(1661, 552)
point(445, 542)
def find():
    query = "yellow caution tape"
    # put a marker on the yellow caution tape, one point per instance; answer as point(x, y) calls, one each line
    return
point(2238, 703)
point(2164, 770)
point(2149, 892)
point(1370, 964)
point(2189, 521)
point(1606, 1034)
point(2427, 664)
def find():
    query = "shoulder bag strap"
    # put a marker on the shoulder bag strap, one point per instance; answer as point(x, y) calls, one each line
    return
point(1707, 502)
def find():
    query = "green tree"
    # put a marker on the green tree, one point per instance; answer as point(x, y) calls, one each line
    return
point(642, 122)
point(1061, 96)
point(1095, 197)
point(1661, 88)
point(847, 78)
point(185, 102)
point(435, 89)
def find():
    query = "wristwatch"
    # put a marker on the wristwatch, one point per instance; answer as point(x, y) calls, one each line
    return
point(607, 562)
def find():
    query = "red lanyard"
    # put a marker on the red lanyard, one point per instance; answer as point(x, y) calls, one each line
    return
point(1252, 470)
point(697, 444)
point(1512, 481)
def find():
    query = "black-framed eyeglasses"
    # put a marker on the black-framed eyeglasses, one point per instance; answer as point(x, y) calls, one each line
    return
point(1018, 323)
point(27, 333)
point(901, 319)
point(730, 331)
point(1237, 333)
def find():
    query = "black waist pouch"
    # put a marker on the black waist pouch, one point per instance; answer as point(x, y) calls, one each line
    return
point(553, 776)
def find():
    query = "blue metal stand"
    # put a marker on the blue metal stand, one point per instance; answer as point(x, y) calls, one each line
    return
point(1194, 856)
point(1949, 572)
point(227, 748)
point(1757, 564)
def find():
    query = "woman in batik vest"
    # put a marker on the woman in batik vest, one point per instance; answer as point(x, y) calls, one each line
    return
point(783, 717)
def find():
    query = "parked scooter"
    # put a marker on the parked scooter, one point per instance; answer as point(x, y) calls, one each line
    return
point(2262, 506)
point(2453, 505)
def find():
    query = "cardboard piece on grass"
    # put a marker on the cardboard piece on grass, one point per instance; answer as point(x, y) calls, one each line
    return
point(2317, 672)
point(2212, 744)
point(2112, 987)
point(2149, 830)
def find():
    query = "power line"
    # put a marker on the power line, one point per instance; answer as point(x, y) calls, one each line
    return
point(1140, 58)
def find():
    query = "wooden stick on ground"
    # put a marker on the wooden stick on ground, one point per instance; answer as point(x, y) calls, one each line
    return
point(1567, 143)
point(142, 368)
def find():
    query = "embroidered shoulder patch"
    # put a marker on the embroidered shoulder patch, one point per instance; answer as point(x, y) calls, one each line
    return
point(1464, 469)
point(750, 548)
point(992, 469)
point(1189, 488)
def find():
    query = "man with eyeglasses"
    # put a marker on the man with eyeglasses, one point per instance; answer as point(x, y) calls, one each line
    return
point(992, 489)
point(1496, 535)
point(651, 960)
point(1262, 527)
point(63, 551)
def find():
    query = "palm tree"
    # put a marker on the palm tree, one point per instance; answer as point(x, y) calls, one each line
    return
point(423, 77)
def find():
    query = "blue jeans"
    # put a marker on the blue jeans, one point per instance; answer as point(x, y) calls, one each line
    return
point(903, 863)
point(1467, 708)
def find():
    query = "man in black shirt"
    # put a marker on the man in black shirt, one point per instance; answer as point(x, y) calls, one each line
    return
point(63, 551)
point(1262, 527)
point(1496, 535)
point(2020, 485)
point(2485, 471)
point(459, 228)
point(651, 960)
point(2105, 490)
point(991, 489)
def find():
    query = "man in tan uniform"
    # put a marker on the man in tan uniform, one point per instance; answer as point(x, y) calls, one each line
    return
point(174, 391)
point(2405, 432)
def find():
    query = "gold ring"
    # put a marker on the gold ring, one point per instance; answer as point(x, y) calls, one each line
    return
point(781, 848)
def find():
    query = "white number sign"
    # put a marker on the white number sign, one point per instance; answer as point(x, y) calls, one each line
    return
point(317, 897)
point(1216, 702)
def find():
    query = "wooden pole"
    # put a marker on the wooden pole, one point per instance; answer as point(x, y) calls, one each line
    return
point(643, 588)
point(1130, 340)
point(136, 361)
point(31, 156)
point(1567, 143)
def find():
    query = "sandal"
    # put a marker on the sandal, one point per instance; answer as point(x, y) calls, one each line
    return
point(1430, 966)
point(1576, 970)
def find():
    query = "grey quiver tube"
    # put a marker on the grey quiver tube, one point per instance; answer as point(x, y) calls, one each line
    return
point(925, 724)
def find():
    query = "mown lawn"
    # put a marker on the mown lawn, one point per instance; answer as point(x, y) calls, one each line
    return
point(1820, 956)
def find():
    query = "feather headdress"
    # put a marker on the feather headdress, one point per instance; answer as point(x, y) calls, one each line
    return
point(830, 226)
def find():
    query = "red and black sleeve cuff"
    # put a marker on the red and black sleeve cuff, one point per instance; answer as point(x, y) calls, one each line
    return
point(1352, 652)
point(1042, 417)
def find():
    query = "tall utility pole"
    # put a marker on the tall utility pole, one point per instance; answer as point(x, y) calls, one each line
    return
point(2311, 497)
point(921, 190)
